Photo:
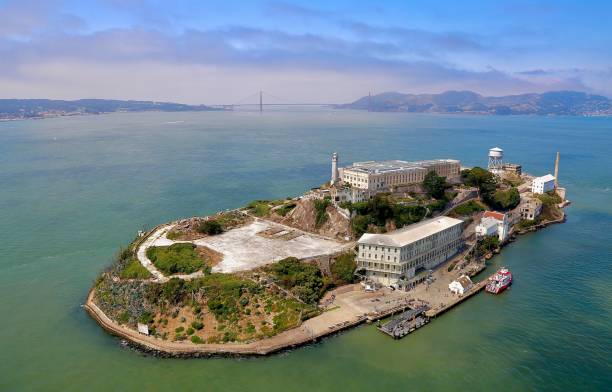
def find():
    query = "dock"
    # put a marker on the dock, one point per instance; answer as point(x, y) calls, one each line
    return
point(435, 311)
point(406, 323)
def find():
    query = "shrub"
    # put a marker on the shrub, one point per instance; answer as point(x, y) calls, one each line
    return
point(179, 329)
point(550, 198)
point(467, 208)
point(285, 208)
point(210, 227)
point(321, 208)
point(343, 269)
point(176, 258)
point(303, 279)
point(190, 331)
point(196, 339)
point(197, 325)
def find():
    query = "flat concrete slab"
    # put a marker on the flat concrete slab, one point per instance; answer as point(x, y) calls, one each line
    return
point(243, 249)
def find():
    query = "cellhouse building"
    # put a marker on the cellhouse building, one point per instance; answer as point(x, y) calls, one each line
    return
point(387, 258)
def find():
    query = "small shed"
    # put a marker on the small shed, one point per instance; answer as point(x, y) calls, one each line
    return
point(461, 285)
point(143, 329)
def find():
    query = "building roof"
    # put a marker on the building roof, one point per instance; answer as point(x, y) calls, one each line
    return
point(464, 281)
point(395, 165)
point(495, 215)
point(411, 233)
point(546, 178)
point(488, 222)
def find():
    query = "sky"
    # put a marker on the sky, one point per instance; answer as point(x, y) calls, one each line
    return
point(221, 52)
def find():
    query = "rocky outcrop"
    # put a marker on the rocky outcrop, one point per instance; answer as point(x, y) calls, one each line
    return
point(304, 217)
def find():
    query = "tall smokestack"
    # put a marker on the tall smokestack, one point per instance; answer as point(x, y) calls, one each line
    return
point(334, 175)
point(557, 170)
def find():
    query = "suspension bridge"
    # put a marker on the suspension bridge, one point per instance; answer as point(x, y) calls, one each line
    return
point(257, 102)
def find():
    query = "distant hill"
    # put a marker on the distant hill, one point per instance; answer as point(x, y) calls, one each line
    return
point(41, 108)
point(550, 103)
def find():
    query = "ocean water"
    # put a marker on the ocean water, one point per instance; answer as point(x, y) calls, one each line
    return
point(72, 190)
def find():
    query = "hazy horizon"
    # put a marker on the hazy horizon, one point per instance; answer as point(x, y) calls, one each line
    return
point(213, 52)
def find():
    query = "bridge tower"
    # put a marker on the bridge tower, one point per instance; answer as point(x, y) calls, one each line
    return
point(260, 101)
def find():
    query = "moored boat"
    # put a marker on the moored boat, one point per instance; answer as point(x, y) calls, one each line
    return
point(500, 281)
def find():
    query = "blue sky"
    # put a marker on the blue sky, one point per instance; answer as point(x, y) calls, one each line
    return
point(324, 51)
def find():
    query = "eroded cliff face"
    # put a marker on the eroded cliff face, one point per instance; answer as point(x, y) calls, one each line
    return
point(304, 217)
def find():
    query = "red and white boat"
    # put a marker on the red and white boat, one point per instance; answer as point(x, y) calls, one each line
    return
point(500, 281)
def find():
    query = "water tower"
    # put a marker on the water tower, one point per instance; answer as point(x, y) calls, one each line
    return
point(496, 156)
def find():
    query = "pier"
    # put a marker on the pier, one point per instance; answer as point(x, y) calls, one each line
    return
point(405, 323)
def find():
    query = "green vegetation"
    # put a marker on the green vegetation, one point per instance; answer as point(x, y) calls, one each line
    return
point(550, 198)
point(197, 325)
point(506, 200)
point(284, 209)
point(134, 270)
point(381, 209)
point(483, 180)
point(343, 269)
point(259, 208)
point(486, 245)
point(434, 185)
point(304, 280)
point(196, 339)
point(173, 235)
point(487, 187)
point(210, 227)
point(466, 209)
point(321, 208)
point(176, 258)
point(527, 223)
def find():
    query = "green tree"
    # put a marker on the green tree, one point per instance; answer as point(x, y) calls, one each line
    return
point(434, 185)
point(506, 200)
point(343, 269)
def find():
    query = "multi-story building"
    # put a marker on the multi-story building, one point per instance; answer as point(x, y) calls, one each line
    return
point(387, 258)
point(380, 176)
point(494, 223)
point(543, 184)
point(530, 208)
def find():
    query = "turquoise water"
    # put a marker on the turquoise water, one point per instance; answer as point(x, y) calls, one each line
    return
point(74, 189)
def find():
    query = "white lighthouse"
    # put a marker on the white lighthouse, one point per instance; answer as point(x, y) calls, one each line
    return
point(334, 173)
point(496, 164)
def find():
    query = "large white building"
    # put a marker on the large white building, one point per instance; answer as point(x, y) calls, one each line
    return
point(494, 223)
point(543, 184)
point(399, 254)
point(382, 175)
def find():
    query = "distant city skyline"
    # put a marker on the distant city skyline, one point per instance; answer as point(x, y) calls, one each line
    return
point(214, 52)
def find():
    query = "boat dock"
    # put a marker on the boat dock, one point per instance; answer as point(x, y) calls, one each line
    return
point(406, 323)
point(437, 310)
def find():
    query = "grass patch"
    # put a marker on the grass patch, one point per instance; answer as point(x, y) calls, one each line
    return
point(176, 258)
point(259, 208)
point(466, 209)
point(134, 270)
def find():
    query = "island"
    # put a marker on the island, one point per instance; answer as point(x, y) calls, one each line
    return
point(23, 109)
point(380, 239)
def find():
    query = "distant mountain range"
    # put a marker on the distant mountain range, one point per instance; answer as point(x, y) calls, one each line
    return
point(11, 109)
point(550, 103)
